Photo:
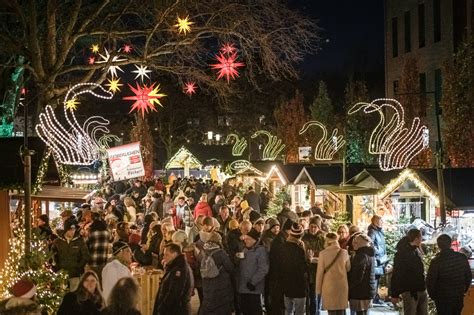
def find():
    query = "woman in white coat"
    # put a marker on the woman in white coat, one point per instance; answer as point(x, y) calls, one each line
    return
point(331, 276)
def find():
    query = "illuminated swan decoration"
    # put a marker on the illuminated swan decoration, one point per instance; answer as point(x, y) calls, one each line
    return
point(395, 143)
point(326, 146)
point(239, 145)
point(273, 147)
point(73, 144)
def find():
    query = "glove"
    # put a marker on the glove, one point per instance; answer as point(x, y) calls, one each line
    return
point(250, 286)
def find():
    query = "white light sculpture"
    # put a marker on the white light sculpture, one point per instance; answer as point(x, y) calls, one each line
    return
point(141, 71)
point(327, 146)
point(71, 143)
point(394, 143)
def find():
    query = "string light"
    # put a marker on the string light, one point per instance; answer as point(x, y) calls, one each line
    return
point(279, 174)
point(412, 176)
point(240, 144)
point(73, 144)
point(141, 72)
point(112, 69)
point(273, 147)
point(327, 146)
point(391, 140)
point(180, 157)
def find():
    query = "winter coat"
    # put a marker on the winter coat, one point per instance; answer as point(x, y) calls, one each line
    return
point(318, 211)
point(15, 305)
point(252, 269)
point(378, 240)
point(316, 244)
point(174, 293)
point(276, 256)
point(408, 274)
point(99, 247)
point(295, 270)
point(449, 276)
point(267, 239)
point(71, 306)
point(202, 208)
point(167, 206)
point(286, 214)
point(218, 292)
point(71, 256)
point(111, 274)
point(253, 199)
point(361, 277)
point(234, 244)
point(333, 285)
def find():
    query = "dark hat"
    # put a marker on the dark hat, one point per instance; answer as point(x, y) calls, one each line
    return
point(287, 225)
point(70, 224)
point(44, 218)
point(316, 220)
point(296, 230)
point(253, 233)
point(271, 222)
point(118, 246)
point(86, 206)
point(254, 216)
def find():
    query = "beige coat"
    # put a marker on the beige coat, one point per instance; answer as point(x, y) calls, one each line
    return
point(333, 285)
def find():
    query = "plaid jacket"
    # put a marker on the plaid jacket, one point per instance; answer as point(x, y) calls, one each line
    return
point(99, 248)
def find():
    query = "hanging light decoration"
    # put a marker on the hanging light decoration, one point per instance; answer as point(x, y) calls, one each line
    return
point(112, 69)
point(114, 85)
point(227, 66)
point(141, 71)
point(184, 25)
point(228, 48)
point(190, 88)
point(146, 97)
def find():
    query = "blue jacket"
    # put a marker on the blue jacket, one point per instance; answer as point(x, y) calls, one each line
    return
point(378, 240)
point(253, 268)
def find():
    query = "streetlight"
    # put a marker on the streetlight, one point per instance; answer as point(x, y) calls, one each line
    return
point(218, 137)
point(209, 137)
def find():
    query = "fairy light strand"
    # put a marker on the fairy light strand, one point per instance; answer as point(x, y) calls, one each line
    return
point(328, 145)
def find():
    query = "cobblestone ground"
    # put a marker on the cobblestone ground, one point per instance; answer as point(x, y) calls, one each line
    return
point(373, 311)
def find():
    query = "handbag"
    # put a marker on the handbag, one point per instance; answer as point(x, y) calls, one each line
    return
point(333, 261)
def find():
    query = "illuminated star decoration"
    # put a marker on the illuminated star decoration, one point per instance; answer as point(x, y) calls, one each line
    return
point(190, 88)
point(72, 104)
point(141, 72)
point(91, 60)
point(127, 48)
point(112, 69)
point(228, 48)
point(145, 98)
point(184, 25)
point(95, 48)
point(114, 85)
point(227, 66)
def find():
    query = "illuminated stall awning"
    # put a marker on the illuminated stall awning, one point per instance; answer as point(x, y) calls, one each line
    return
point(183, 158)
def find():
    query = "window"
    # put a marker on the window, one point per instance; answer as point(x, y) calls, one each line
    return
point(407, 31)
point(423, 83)
point(394, 37)
point(438, 87)
point(421, 25)
point(437, 20)
point(395, 87)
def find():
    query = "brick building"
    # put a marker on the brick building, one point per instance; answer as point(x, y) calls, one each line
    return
point(428, 31)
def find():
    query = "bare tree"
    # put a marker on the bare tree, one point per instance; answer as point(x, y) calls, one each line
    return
point(54, 36)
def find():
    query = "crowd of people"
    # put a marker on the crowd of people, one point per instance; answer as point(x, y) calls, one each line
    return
point(221, 246)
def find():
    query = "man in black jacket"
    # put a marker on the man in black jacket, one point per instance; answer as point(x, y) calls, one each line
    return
point(176, 286)
point(376, 234)
point(408, 280)
point(253, 199)
point(448, 278)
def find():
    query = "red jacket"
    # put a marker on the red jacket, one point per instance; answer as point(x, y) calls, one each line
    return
point(203, 208)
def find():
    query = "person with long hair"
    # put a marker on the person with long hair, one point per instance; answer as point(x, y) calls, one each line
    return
point(86, 300)
point(123, 299)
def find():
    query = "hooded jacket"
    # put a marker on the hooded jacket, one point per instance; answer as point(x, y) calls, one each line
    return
point(71, 256)
point(361, 277)
point(408, 272)
point(253, 268)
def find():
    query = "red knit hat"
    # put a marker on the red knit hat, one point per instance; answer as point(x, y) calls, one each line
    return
point(24, 289)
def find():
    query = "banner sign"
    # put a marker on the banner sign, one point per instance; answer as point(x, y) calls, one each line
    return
point(126, 161)
point(304, 154)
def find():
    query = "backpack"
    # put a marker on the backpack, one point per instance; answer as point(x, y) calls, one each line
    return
point(208, 266)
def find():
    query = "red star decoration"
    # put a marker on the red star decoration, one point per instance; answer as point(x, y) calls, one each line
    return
point(190, 88)
point(227, 66)
point(91, 60)
point(228, 48)
point(127, 48)
point(145, 98)
point(23, 91)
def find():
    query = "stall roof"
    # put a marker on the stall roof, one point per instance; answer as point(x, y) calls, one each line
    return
point(381, 177)
point(201, 155)
point(324, 175)
point(57, 193)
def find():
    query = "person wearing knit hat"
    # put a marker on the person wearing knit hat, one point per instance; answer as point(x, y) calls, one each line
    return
point(24, 289)
point(117, 268)
point(254, 234)
point(212, 236)
point(259, 225)
point(272, 228)
point(361, 277)
point(296, 230)
point(22, 301)
point(317, 220)
point(331, 276)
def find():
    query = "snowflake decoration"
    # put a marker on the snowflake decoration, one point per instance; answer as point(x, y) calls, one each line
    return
point(91, 60)
point(228, 48)
point(142, 71)
point(190, 88)
point(71, 104)
point(127, 48)
point(227, 66)
point(184, 25)
point(112, 69)
point(95, 48)
point(114, 85)
point(145, 98)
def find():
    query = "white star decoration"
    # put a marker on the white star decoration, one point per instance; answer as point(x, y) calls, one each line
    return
point(112, 69)
point(141, 72)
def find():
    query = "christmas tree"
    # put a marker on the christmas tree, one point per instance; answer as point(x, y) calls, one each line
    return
point(276, 204)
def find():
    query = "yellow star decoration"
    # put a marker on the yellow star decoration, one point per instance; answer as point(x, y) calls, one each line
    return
point(184, 25)
point(114, 85)
point(95, 48)
point(72, 104)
